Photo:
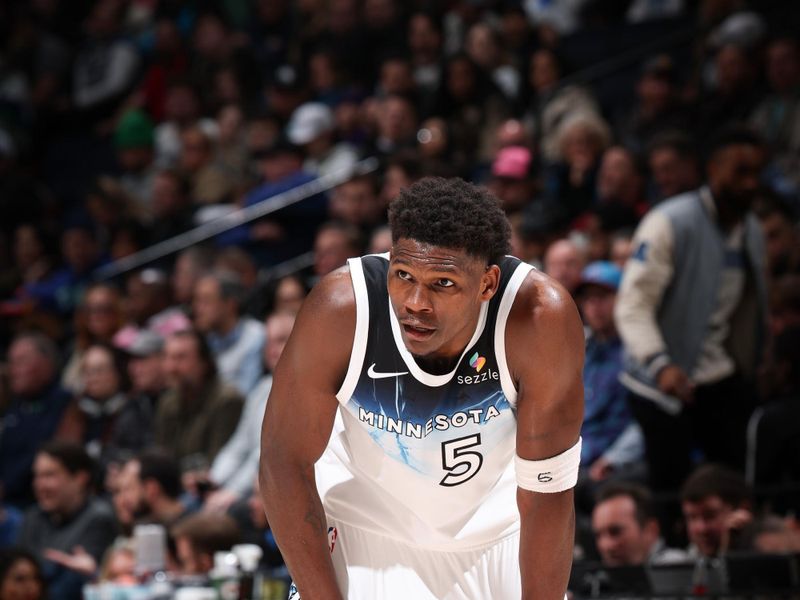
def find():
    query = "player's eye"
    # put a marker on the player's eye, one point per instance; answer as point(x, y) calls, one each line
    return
point(445, 283)
point(404, 275)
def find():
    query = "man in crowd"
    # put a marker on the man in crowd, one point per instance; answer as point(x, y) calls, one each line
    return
point(149, 490)
point(35, 409)
point(716, 504)
point(564, 261)
point(198, 413)
point(612, 441)
point(198, 537)
point(67, 517)
point(626, 529)
point(691, 313)
point(236, 340)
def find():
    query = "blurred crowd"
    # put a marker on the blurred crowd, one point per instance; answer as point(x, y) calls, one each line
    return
point(647, 154)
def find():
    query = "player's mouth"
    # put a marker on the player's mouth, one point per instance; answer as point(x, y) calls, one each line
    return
point(418, 332)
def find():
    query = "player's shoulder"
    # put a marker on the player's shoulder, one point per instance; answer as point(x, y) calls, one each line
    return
point(541, 296)
point(334, 292)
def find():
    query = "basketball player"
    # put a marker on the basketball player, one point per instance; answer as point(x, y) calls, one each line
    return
point(425, 416)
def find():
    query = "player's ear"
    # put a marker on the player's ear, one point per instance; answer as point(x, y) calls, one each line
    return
point(489, 282)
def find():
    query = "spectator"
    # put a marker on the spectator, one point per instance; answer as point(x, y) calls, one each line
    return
point(689, 308)
point(658, 107)
point(190, 265)
point(98, 318)
point(312, 127)
point(773, 454)
point(146, 372)
point(148, 303)
point(236, 466)
point(335, 243)
point(672, 160)
point(784, 307)
point(198, 537)
point(36, 407)
point(20, 576)
point(356, 201)
point(564, 261)
point(285, 294)
point(67, 516)
point(425, 45)
point(781, 235)
point(198, 413)
point(581, 139)
point(484, 45)
point(208, 183)
point(133, 140)
point(181, 111)
point(150, 490)
point(626, 530)
point(777, 116)
point(612, 442)
point(171, 205)
point(235, 340)
point(717, 505)
point(620, 183)
point(61, 291)
point(512, 179)
point(396, 122)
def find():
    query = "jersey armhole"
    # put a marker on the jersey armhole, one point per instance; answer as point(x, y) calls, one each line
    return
point(506, 302)
point(360, 337)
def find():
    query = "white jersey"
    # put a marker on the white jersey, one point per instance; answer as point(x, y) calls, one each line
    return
point(424, 459)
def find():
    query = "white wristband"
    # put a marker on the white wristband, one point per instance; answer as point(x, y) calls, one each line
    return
point(551, 475)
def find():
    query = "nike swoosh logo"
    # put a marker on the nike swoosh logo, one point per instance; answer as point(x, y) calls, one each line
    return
point(375, 375)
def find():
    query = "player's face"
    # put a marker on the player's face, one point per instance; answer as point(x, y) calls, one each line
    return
point(436, 294)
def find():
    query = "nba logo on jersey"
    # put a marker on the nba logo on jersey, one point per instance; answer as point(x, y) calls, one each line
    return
point(332, 534)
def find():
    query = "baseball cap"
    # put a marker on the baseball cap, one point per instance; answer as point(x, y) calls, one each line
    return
point(309, 121)
point(603, 273)
point(134, 130)
point(145, 343)
point(513, 162)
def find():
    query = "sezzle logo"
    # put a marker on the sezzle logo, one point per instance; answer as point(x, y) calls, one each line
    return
point(477, 362)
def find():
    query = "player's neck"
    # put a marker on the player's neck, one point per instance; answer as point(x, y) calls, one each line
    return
point(437, 365)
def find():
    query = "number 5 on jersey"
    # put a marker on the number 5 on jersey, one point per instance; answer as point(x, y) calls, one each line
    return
point(460, 463)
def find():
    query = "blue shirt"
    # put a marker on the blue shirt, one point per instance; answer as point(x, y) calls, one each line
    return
point(606, 413)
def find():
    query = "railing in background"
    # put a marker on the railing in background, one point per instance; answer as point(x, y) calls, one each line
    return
point(239, 217)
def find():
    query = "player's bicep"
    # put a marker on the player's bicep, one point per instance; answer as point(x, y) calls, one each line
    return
point(548, 348)
point(302, 403)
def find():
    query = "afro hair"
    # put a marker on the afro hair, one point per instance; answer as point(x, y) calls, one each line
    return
point(451, 213)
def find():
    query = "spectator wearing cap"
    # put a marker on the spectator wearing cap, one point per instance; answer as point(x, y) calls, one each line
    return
point(512, 179)
point(145, 367)
point(37, 403)
point(312, 127)
point(612, 441)
point(692, 313)
point(134, 143)
point(235, 340)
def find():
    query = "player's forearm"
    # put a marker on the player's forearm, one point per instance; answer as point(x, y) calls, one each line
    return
point(298, 522)
point(546, 540)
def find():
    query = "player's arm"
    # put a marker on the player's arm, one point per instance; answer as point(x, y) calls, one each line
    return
point(297, 425)
point(545, 345)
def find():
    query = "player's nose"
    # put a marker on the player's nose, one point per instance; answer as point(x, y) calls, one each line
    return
point(418, 300)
